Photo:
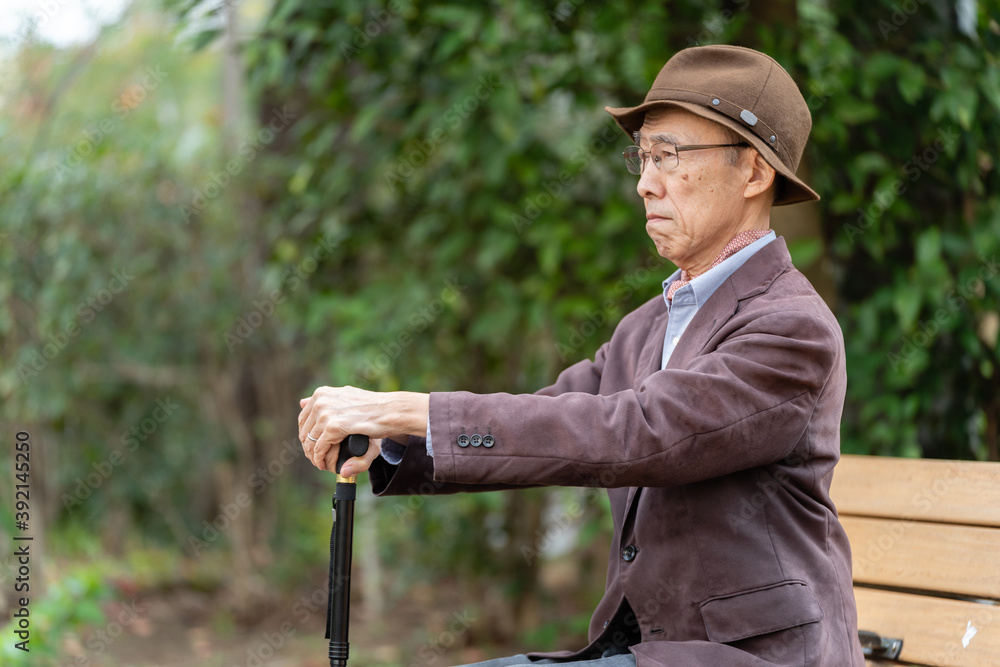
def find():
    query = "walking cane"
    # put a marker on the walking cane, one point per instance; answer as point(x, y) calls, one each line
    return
point(341, 539)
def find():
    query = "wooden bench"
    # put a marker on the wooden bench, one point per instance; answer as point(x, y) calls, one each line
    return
point(925, 538)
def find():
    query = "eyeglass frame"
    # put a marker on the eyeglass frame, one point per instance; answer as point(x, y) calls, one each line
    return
point(677, 152)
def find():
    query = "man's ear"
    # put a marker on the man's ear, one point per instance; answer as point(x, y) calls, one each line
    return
point(762, 176)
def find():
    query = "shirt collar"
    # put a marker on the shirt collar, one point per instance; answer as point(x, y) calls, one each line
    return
point(702, 287)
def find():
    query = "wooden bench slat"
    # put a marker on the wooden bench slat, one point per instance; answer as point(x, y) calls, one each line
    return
point(927, 556)
point(962, 492)
point(932, 629)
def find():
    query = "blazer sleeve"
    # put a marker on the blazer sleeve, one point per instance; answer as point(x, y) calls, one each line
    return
point(414, 474)
point(744, 404)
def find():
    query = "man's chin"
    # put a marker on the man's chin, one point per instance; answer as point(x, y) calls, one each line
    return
point(663, 250)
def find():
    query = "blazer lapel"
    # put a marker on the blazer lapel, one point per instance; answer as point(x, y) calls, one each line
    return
point(649, 362)
point(752, 278)
point(706, 322)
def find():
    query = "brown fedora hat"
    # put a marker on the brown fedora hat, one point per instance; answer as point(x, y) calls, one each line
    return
point(744, 90)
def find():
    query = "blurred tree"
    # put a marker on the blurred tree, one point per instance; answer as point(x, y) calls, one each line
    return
point(140, 347)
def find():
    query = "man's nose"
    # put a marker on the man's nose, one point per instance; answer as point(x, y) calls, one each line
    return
point(650, 185)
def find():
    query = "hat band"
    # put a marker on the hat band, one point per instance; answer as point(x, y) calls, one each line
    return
point(737, 113)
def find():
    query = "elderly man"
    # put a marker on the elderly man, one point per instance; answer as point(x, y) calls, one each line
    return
point(712, 415)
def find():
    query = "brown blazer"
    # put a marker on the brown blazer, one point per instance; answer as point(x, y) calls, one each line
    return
point(726, 547)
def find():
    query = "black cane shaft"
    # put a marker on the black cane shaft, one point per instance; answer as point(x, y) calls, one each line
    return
point(341, 550)
point(340, 616)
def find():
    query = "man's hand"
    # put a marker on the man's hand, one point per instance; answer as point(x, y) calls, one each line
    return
point(332, 413)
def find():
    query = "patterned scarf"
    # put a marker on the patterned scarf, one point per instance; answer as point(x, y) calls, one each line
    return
point(740, 241)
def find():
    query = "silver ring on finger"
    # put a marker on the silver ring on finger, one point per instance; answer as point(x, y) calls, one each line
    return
point(312, 438)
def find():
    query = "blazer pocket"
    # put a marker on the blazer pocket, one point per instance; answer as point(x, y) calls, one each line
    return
point(759, 611)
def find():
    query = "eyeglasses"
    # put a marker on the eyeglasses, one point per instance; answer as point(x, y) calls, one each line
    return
point(665, 155)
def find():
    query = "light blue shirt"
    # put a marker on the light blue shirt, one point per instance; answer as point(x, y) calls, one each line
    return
point(688, 299)
point(686, 302)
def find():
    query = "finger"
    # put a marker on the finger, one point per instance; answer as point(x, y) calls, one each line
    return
point(307, 444)
point(306, 405)
point(308, 426)
point(323, 446)
point(330, 460)
point(358, 464)
point(306, 449)
point(309, 450)
point(314, 442)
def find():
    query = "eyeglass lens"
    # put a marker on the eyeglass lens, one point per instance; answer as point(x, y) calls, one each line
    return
point(664, 156)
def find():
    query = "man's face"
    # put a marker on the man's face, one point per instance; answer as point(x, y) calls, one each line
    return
point(695, 209)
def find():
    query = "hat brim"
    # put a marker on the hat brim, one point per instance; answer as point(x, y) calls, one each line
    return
point(790, 190)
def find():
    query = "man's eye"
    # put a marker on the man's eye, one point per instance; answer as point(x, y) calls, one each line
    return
point(656, 159)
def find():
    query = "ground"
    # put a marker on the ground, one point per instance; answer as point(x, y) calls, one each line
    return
point(175, 628)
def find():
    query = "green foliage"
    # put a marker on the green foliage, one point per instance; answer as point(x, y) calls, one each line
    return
point(460, 155)
point(71, 605)
point(101, 280)
point(905, 128)
point(517, 195)
point(550, 635)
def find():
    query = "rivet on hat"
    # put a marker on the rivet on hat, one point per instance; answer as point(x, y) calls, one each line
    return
point(748, 118)
point(715, 101)
point(773, 139)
